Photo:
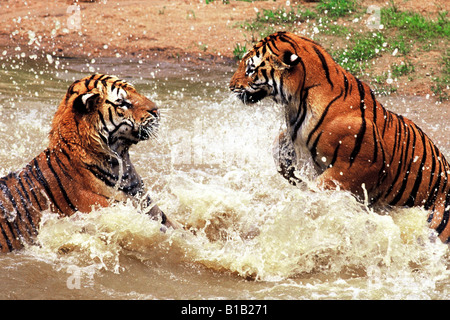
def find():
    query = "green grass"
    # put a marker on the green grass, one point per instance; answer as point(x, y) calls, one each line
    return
point(282, 16)
point(415, 25)
point(337, 8)
point(365, 47)
point(339, 25)
point(239, 51)
point(402, 69)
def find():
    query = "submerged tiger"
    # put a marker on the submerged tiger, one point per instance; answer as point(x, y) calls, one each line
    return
point(334, 120)
point(86, 164)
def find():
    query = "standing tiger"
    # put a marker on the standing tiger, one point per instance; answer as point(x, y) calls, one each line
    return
point(86, 164)
point(334, 120)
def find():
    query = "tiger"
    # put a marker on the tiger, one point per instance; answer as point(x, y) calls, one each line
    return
point(335, 123)
point(86, 164)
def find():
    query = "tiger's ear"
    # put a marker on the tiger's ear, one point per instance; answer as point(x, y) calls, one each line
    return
point(291, 59)
point(87, 102)
point(279, 64)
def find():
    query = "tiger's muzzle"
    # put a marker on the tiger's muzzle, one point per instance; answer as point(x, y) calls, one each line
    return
point(247, 96)
point(148, 128)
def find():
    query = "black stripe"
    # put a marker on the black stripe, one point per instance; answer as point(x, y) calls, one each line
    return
point(264, 50)
point(8, 193)
point(88, 81)
point(324, 65)
point(375, 144)
point(32, 187)
point(62, 166)
point(273, 42)
point(283, 97)
point(334, 156)
point(386, 118)
point(313, 149)
point(445, 217)
point(398, 131)
point(382, 174)
point(362, 130)
point(415, 189)
point(406, 156)
point(5, 236)
point(104, 80)
point(374, 107)
point(264, 73)
point(405, 178)
point(399, 168)
point(111, 104)
point(105, 176)
point(322, 118)
point(433, 193)
point(58, 180)
point(345, 86)
point(39, 176)
point(270, 48)
point(111, 117)
point(299, 121)
point(433, 164)
point(103, 121)
point(27, 214)
point(285, 38)
point(26, 200)
point(71, 88)
point(19, 180)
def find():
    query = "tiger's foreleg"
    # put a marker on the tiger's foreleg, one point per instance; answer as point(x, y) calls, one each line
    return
point(285, 158)
point(152, 209)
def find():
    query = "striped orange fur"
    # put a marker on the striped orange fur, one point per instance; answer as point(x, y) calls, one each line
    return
point(334, 120)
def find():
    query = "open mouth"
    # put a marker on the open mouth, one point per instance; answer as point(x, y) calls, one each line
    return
point(144, 132)
point(252, 97)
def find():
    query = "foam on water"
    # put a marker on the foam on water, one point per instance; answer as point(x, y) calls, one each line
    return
point(242, 218)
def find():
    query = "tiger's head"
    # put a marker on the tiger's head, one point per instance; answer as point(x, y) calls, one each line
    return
point(101, 114)
point(275, 68)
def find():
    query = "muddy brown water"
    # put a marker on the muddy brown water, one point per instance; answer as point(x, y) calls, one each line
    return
point(253, 236)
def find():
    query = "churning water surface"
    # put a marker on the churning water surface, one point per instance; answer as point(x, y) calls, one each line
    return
point(250, 235)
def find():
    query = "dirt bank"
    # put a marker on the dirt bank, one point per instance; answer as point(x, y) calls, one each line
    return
point(158, 28)
point(179, 30)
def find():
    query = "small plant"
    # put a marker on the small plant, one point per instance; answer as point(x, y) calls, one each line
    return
point(239, 51)
point(337, 8)
point(403, 45)
point(402, 69)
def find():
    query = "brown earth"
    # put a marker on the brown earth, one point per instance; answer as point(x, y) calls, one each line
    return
point(180, 30)
point(161, 28)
